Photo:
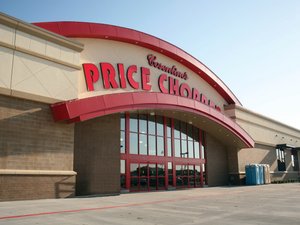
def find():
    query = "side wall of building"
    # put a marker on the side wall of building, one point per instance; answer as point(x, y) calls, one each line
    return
point(267, 133)
point(97, 156)
point(36, 154)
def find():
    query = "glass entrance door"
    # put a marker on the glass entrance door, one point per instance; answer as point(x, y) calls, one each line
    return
point(147, 176)
point(188, 176)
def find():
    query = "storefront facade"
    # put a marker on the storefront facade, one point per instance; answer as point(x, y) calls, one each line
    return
point(94, 109)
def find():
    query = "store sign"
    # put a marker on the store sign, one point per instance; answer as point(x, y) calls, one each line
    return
point(171, 70)
point(120, 77)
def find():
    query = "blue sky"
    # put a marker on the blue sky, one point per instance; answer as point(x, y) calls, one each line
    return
point(253, 46)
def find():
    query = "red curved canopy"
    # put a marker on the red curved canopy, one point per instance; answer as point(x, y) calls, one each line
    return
point(104, 31)
point(88, 108)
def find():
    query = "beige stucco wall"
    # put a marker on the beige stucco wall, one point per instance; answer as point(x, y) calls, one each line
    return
point(263, 129)
point(260, 154)
point(98, 50)
point(36, 64)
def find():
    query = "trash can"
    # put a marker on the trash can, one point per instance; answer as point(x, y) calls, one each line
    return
point(253, 174)
point(267, 177)
point(248, 175)
point(257, 174)
point(261, 179)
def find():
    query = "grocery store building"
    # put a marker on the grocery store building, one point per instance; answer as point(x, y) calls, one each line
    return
point(95, 109)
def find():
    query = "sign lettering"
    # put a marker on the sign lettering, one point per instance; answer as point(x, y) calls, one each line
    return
point(120, 77)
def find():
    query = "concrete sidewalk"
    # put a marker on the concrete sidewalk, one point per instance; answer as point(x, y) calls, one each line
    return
point(268, 204)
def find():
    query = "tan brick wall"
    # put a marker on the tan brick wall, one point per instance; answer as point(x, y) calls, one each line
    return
point(30, 139)
point(21, 187)
point(232, 154)
point(217, 164)
point(233, 166)
point(97, 156)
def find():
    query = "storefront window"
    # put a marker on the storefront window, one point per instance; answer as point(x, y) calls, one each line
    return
point(151, 125)
point(152, 145)
point(160, 126)
point(150, 137)
point(190, 132)
point(196, 149)
point(122, 122)
point(160, 146)
point(133, 143)
point(183, 130)
point(191, 149)
point(184, 152)
point(176, 129)
point(133, 123)
point(169, 128)
point(143, 124)
point(169, 144)
point(143, 144)
point(177, 147)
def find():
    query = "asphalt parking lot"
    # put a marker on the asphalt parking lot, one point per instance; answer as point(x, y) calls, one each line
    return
point(267, 204)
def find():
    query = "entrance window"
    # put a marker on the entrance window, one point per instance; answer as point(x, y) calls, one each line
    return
point(162, 153)
point(197, 176)
point(170, 174)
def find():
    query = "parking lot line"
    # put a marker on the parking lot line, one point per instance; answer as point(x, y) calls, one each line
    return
point(94, 209)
